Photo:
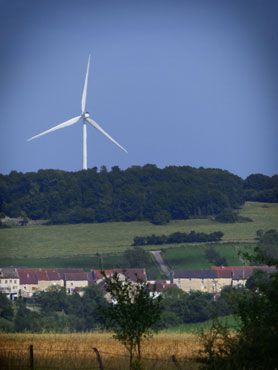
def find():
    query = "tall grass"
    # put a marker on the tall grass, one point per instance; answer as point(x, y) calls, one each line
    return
point(74, 351)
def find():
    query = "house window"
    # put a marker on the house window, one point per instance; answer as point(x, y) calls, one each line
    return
point(6, 281)
point(33, 288)
point(14, 281)
point(11, 281)
point(71, 283)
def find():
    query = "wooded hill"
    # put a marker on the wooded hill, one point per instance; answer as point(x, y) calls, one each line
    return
point(137, 193)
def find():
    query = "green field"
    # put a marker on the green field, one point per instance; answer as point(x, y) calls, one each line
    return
point(77, 245)
point(229, 321)
point(193, 257)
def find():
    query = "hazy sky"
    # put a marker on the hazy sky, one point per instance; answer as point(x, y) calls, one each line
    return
point(175, 82)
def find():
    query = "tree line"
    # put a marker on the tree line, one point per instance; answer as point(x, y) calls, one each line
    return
point(137, 193)
point(261, 188)
point(177, 237)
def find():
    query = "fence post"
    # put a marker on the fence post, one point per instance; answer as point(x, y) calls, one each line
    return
point(99, 360)
point(175, 361)
point(31, 356)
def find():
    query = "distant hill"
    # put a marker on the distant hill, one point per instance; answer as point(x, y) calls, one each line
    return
point(135, 194)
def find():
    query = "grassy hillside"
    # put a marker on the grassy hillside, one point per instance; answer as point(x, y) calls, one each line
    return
point(77, 245)
point(68, 240)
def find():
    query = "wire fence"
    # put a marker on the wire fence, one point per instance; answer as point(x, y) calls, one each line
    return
point(36, 358)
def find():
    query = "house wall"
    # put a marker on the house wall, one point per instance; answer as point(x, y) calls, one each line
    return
point(27, 290)
point(43, 285)
point(239, 282)
point(204, 285)
point(223, 282)
point(72, 284)
point(9, 286)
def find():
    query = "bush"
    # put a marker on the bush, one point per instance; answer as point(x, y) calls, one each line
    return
point(137, 257)
point(214, 257)
point(254, 346)
point(178, 237)
point(227, 216)
point(6, 326)
point(160, 218)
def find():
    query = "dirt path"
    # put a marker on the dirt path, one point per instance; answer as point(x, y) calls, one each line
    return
point(163, 267)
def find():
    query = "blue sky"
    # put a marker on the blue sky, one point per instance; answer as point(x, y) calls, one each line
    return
point(175, 82)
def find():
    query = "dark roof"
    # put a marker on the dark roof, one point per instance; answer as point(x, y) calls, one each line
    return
point(76, 276)
point(8, 272)
point(131, 274)
point(241, 274)
point(244, 274)
point(194, 274)
point(54, 275)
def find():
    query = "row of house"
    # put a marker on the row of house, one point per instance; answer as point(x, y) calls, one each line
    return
point(213, 280)
point(24, 282)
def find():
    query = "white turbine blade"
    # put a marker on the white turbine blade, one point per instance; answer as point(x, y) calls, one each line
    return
point(70, 122)
point(85, 88)
point(97, 126)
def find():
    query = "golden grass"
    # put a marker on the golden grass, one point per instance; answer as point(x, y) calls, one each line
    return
point(74, 351)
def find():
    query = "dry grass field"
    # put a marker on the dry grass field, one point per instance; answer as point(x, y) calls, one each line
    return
point(74, 351)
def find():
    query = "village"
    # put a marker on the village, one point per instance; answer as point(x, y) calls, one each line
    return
point(25, 282)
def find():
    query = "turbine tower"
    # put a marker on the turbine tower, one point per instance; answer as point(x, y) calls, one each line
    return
point(85, 117)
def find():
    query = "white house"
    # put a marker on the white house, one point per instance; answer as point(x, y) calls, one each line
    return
point(9, 282)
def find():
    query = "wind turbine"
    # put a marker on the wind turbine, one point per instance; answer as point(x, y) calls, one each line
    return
point(85, 117)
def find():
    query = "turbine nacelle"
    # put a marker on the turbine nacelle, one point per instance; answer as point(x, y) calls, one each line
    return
point(85, 115)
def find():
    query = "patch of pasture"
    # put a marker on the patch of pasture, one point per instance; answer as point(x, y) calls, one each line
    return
point(88, 239)
point(193, 256)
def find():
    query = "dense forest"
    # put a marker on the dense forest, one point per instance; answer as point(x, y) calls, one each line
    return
point(137, 193)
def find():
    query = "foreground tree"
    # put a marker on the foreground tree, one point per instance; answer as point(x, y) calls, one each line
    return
point(131, 314)
point(254, 346)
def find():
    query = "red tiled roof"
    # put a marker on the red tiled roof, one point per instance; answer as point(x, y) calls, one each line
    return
point(161, 286)
point(27, 277)
point(33, 275)
point(239, 272)
point(131, 274)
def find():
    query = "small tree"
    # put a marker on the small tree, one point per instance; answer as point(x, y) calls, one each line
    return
point(132, 313)
point(227, 215)
point(254, 346)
